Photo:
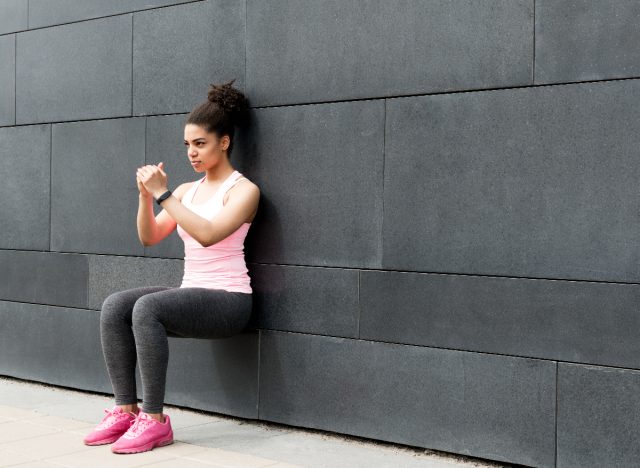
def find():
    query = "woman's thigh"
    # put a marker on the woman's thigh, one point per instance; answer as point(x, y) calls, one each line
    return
point(196, 312)
point(119, 305)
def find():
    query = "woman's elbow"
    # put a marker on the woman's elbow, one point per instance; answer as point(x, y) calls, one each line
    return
point(206, 243)
point(206, 240)
point(203, 237)
point(147, 243)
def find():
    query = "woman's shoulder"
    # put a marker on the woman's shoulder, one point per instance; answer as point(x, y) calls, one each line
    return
point(245, 186)
point(243, 180)
point(183, 188)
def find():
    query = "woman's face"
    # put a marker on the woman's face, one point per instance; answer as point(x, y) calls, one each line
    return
point(204, 150)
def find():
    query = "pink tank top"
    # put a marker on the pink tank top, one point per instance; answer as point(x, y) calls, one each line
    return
point(221, 265)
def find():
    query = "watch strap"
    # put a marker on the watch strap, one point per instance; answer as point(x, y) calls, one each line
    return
point(163, 197)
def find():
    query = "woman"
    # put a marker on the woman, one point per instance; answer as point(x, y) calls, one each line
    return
point(212, 216)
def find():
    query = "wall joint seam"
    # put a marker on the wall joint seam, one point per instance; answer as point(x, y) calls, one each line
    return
point(556, 420)
point(533, 67)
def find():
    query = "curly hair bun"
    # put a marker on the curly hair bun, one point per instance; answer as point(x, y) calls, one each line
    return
point(229, 99)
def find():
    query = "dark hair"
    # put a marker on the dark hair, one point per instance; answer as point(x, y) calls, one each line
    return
point(224, 109)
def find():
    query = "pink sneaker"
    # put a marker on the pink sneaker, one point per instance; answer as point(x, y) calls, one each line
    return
point(113, 425)
point(144, 434)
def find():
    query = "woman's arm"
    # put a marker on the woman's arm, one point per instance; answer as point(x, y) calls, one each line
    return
point(210, 231)
point(147, 225)
point(152, 230)
point(207, 232)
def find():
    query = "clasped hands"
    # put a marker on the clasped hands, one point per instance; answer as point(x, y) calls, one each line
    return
point(151, 180)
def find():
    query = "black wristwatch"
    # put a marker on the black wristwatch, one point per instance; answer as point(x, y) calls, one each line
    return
point(163, 197)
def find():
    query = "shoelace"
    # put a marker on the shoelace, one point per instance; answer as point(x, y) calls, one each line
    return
point(139, 424)
point(109, 420)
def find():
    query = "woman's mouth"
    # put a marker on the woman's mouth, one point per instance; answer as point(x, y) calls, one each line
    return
point(195, 163)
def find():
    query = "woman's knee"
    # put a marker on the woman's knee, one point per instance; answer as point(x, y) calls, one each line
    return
point(144, 310)
point(113, 307)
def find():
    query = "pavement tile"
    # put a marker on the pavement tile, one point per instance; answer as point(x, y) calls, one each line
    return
point(16, 431)
point(9, 458)
point(42, 427)
point(228, 458)
point(48, 445)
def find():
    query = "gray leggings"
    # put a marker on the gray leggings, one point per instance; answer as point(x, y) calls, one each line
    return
point(135, 323)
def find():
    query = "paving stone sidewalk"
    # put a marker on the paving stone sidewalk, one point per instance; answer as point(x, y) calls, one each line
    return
point(42, 426)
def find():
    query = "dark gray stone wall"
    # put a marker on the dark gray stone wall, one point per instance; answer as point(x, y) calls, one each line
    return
point(447, 250)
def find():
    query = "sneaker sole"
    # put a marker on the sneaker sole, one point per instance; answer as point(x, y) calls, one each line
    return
point(146, 447)
point(108, 440)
